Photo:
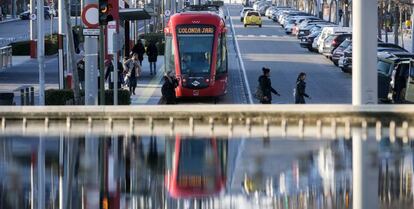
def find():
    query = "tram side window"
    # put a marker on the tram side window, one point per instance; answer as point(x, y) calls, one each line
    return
point(169, 54)
point(222, 55)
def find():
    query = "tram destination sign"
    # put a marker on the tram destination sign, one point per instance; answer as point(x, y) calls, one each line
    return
point(195, 30)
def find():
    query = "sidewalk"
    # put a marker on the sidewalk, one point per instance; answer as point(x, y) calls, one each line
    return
point(8, 18)
point(405, 43)
point(148, 91)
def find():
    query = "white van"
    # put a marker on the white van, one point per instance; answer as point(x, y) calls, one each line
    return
point(326, 31)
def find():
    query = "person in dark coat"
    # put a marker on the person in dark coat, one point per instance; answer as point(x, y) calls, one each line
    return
point(140, 50)
point(168, 88)
point(300, 91)
point(266, 87)
point(81, 73)
point(152, 53)
point(109, 73)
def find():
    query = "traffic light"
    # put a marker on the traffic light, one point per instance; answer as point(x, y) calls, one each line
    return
point(105, 12)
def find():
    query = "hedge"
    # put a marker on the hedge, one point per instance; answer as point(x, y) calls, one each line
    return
point(65, 96)
point(22, 48)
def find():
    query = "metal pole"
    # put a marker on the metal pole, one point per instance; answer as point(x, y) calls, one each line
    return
point(61, 32)
point(61, 200)
point(116, 75)
point(364, 56)
point(102, 64)
point(32, 23)
point(91, 65)
point(14, 10)
point(41, 51)
point(41, 174)
point(412, 30)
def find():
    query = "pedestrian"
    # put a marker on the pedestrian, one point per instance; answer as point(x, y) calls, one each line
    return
point(300, 90)
point(140, 50)
point(81, 72)
point(152, 53)
point(109, 75)
point(266, 88)
point(168, 88)
point(133, 72)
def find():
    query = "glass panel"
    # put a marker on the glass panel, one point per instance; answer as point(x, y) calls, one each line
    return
point(195, 53)
point(383, 67)
point(169, 54)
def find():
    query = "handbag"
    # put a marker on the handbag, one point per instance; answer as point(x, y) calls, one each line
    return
point(258, 94)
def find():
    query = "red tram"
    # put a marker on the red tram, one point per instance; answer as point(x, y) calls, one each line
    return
point(195, 168)
point(196, 50)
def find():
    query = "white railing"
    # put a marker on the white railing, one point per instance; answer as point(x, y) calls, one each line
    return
point(6, 57)
point(302, 121)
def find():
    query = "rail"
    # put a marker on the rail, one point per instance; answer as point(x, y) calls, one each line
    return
point(298, 121)
point(6, 55)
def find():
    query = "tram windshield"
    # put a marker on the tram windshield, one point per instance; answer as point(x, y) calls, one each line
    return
point(195, 47)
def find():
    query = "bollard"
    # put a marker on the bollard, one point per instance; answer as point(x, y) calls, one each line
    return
point(27, 99)
point(32, 99)
point(22, 97)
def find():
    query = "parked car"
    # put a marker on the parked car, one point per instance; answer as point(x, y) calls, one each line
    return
point(299, 32)
point(329, 31)
point(345, 61)
point(339, 51)
point(26, 15)
point(332, 42)
point(252, 18)
point(243, 12)
point(270, 11)
point(306, 41)
point(395, 77)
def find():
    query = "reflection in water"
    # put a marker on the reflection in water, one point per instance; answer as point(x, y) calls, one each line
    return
point(154, 172)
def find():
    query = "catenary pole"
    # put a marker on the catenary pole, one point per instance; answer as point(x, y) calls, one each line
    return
point(41, 50)
point(364, 56)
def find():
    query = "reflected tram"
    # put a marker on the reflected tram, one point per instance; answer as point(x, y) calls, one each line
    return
point(195, 168)
point(196, 50)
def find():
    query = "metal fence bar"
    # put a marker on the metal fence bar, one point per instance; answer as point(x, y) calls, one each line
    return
point(315, 121)
point(6, 57)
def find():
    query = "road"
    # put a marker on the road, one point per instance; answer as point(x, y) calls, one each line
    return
point(269, 46)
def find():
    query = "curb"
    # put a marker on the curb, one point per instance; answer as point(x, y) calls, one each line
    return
point(7, 21)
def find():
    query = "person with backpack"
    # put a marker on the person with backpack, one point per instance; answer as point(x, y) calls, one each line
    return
point(133, 72)
point(265, 87)
point(300, 90)
point(152, 52)
point(168, 88)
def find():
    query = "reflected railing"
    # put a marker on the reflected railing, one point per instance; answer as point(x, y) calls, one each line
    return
point(261, 156)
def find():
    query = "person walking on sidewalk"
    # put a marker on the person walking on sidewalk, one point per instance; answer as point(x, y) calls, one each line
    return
point(109, 73)
point(133, 72)
point(81, 72)
point(266, 87)
point(152, 52)
point(168, 88)
point(140, 50)
point(300, 90)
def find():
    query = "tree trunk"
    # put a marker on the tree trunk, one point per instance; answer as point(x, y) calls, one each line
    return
point(72, 60)
point(396, 20)
point(380, 20)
